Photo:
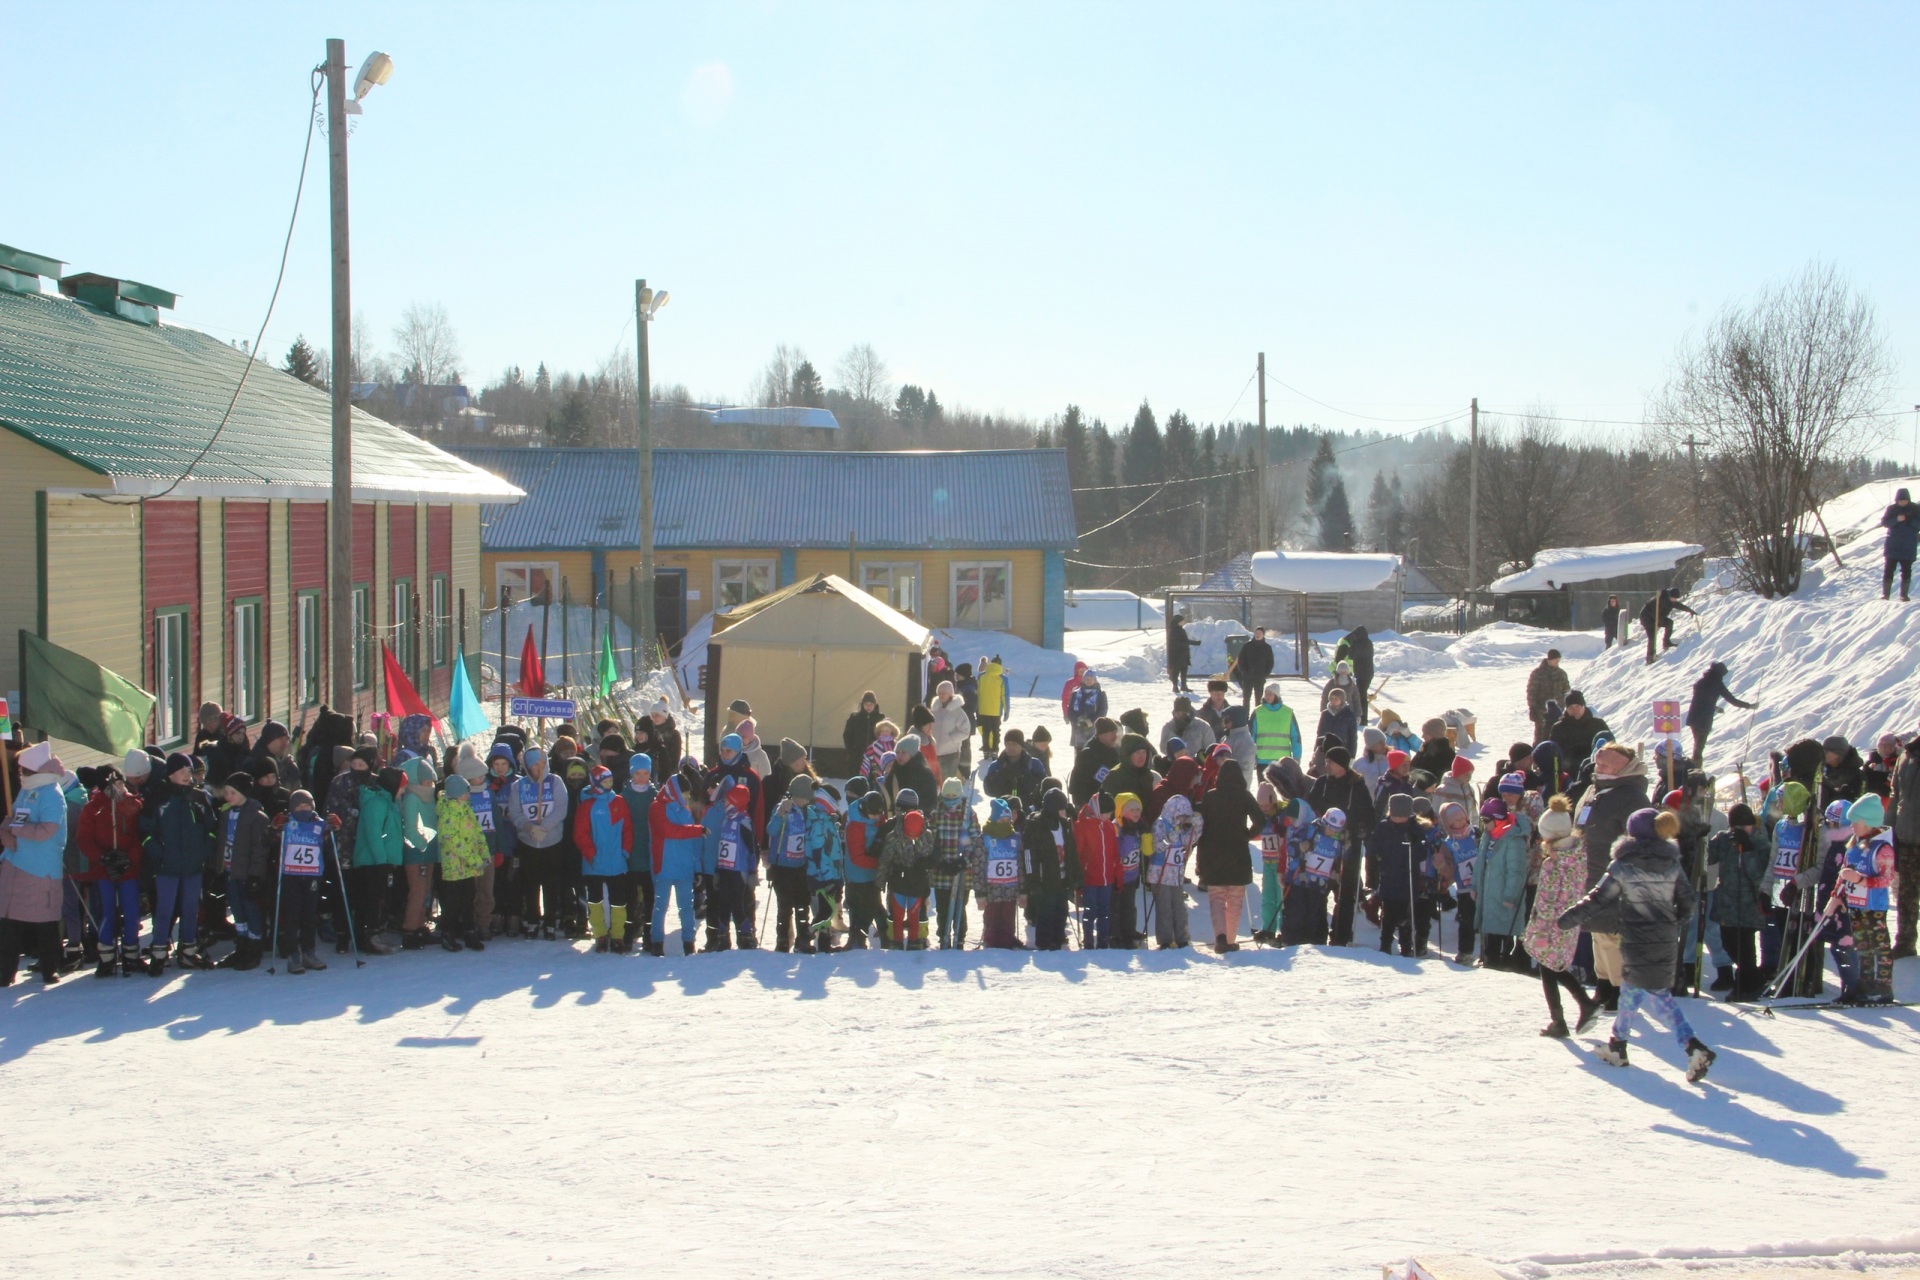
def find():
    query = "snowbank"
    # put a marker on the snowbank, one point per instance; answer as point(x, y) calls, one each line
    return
point(1858, 511)
point(1832, 659)
point(1505, 643)
point(1558, 566)
point(1111, 611)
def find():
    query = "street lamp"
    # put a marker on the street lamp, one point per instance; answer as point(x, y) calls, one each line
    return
point(646, 305)
point(375, 70)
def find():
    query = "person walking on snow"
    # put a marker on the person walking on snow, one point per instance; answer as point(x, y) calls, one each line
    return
point(1086, 704)
point(1657, 615)
point(1252, 667)
point(1068, 689)
point(1563, 880)
point(1708, 690)
point(1902, 523)
point(1179, 652)
point(1548, 682)
point(1276, 734)
point(1646, 888)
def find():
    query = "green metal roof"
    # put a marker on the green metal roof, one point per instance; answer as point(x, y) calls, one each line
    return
point(137, 403)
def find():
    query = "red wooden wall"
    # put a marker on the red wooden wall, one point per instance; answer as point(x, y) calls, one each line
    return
point(170, 556)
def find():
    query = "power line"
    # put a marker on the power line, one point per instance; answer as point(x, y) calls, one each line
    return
point(1161, 484)
point(1657, 422)
point(1336, 408)
point(1166, 564)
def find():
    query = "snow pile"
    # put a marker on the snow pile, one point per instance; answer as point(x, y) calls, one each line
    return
point(1557, 566)
point(1858, 511)
point(1100, 610)
point(1834, 658)
point(1118, 655)
point(1505, 643)
point(1323, 571)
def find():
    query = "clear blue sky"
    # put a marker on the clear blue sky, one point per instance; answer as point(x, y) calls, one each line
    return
point(1018, 205)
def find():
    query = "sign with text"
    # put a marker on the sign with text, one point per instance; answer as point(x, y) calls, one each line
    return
point(543, 708)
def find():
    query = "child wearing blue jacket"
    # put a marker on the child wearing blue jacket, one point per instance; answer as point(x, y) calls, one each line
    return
point(602, 832)
point(734, 866)
point(639, 794)
point(1314, 861)
point(679, 847)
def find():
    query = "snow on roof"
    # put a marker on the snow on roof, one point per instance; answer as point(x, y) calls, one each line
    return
point(1323, 572)
point(1558, 566)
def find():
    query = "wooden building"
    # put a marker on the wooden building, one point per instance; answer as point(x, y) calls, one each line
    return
point(183, 544)
point(974, 540)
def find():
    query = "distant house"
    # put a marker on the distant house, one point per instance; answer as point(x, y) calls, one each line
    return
point(974, 540)
point(1320, 591)
point(191, 558)
point(1566, 588)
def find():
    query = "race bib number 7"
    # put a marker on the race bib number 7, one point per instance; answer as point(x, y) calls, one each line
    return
point(1319, 864)
point(299, 859)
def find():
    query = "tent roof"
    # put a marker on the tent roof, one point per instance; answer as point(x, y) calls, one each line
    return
point(1557, 567)
point(1323, 572)
point(825, 611)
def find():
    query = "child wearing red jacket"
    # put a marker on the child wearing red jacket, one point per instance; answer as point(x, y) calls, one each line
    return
point(1097, 838)
point(109, 838)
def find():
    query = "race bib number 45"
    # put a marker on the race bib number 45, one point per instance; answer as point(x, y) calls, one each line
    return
point(299, 859)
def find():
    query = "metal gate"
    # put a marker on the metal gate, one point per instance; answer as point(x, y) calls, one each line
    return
point(1283, 613)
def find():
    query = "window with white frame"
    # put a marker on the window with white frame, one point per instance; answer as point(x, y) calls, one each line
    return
point(441, 618)
point(171, 670)
point(306, 647)
point(527, 581)
point(246, 659)
point(983, 594)
point(893, 582)
point(362, 635)
point(403, 629)
point(738, 581)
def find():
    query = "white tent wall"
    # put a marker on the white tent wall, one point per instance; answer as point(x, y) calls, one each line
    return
point(803, 693)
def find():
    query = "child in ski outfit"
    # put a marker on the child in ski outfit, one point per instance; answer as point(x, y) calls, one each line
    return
point(1455, 831)
point(907, 851)
point(1866, 882)
point(302, 862)
point(875, 763)
point(1273, 862)
point(248, 849)
point(1174, 836)
point(956, 833)
point(464, 860)
point(601, 834)
point(864, 909)
point(1097, 838)
point(639, 794)
point(419, 855)
point(1315, 855)
point(735, 868)
point(182, 833)
point(491, 800)
point(787, 873)
point(1135, 840)
point(996, 875)
point(678, 843)
point(1793, 872)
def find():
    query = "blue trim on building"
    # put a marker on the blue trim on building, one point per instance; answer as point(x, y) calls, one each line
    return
point(1053, 600)
point(787, 558)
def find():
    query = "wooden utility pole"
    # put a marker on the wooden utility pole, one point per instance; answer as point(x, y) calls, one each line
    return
point(340, 509)
point(1473, 505)
point(1260, 460)
point(642, 310)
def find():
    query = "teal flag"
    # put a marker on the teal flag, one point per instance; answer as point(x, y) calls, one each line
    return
point(464, 715)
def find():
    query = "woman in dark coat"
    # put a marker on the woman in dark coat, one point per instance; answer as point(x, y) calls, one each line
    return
point(859, 733)
point(1229, 818)
point(657, 737)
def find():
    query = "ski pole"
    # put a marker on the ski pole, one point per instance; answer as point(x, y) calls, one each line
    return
point(346, 903)
point(1772, 993)
point(279, 879)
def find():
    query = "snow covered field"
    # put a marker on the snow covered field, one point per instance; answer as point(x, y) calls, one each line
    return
point(538, 1110)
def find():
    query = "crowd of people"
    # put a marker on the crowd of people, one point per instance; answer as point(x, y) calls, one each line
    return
point(1606, 874)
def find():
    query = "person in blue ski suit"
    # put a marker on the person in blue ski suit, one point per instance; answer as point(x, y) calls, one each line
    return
point(679, 844)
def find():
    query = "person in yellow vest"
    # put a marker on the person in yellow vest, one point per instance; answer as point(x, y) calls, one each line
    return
point(993, 704)
point(1276, 735)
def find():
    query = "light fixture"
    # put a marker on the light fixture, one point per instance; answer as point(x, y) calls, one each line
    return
point(651, 302)
point(377, 69)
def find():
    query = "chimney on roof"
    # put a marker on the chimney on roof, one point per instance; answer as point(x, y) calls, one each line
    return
point(20, 271)
point(128, 299)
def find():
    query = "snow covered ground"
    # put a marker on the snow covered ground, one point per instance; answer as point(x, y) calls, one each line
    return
point(538, 1110)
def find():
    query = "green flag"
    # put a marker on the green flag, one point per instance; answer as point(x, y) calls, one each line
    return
point(608, 670)
point(68, 695)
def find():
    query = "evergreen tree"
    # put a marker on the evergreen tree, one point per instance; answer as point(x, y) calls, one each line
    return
point(1105, 475)
point(1336, 518)
point(571, 424)
point(1182, 447)
point(1379, 513)
point(910, 407)
point(542, 381)
point(1145, 460)
point(1396, 529)
point(302, 363)
point(1321, 473)
point(807, 388)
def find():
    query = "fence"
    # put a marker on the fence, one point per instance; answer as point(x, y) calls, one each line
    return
point(1282, 613)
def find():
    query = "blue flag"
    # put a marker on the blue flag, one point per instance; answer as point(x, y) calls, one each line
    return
point(464, 715)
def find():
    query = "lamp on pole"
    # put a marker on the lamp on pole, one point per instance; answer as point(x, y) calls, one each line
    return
point(340, 638)
point(646, 305)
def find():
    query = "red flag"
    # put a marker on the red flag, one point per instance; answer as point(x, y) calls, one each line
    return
point(533, 679)
point(402, 698)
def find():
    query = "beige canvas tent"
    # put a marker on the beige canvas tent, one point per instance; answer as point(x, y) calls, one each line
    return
point(801, 658)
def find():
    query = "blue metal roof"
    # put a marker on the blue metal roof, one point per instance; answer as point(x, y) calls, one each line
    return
point(586, 499)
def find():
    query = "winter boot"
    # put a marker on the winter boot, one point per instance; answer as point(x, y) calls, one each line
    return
point(312, 961)
point(1590, 1012)
point(449, 943)
point(189, 957)
point(1878, 993)
point(153, 960)
point(1615, 1054)
point(686, 946)
point(617, 928)
point(475, 942)
point(413, 939)
point(750, 943)
point(296, 963)
point(1723, 981)
point(1555, 1030)
point(656, 948)
point(232, 959)
point(109, 962)
point(1699, 1058)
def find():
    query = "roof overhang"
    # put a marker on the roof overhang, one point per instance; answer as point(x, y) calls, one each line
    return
point(195, 487)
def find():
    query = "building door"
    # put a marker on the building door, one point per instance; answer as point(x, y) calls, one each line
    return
point(670, 605)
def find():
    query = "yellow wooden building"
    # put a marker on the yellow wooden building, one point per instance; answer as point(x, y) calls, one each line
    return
point(183, 546)
point(974, 540)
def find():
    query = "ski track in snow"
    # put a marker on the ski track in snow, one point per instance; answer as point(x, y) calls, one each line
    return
point(539, 1110)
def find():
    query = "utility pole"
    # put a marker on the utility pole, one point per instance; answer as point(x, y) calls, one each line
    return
point(1260, 461)
point(643, 310)
point(340, 509)
point(1473, 505)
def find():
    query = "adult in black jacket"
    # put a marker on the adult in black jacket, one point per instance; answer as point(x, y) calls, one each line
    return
point(1093, 762)
point(1394, 851)
point(1229, 818)
point(1902, 523)
point(1708, 690)
point(1575, 732)
point(1134, 774)
point(1253, 666)
point(1339, 787)
point(910, 771)
point(1179, 652)
point(1903, 815)
point(1050, 868)
point(1843, 774)
point(1618, 790)
point(858, 734)
point(1357, 647)
point(330, 730)
point(657, 736)
point(1610, 622)
point(1657, 615)
point(1014, 773)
